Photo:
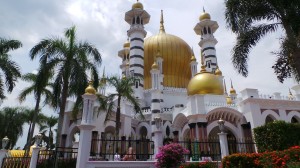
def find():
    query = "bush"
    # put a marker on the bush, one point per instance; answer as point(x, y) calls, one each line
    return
point(277, 159)
point(171, 155)
point(277, 135)
point(200, 165)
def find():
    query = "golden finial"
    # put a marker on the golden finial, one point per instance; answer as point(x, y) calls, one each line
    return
point(154, 65)
point(193, 58)
point(103, 79)
point(158, 51)
point(232, 90)
point(225, 88)
point(203, 68)
point(162, 27)
point(127, 43)
point(218, 71)
point(90, 89)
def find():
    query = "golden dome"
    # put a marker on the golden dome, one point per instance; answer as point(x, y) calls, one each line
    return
point(232, 91)
point(176, 54)
point(204, 16)
point(205, 83)
point(126, 44)
point(154, 65)
point(90, 89)
point(218, 72)
point(137, 5)
point(193, 58)
point(228, 100)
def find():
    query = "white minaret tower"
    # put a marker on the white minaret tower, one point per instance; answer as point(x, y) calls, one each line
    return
point(193, 64)
point(124, 55)
point(137, 17)
point(206, 28)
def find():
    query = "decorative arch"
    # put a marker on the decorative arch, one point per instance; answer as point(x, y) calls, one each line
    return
point(146, 125)
point(232, 128)
point(269, 113)
point(228, 114)
point(293, 114)
point(180, 121)
point(73, 129)
point(185, 131)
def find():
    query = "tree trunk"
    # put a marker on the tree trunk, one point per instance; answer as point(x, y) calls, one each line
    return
point(118, 118)
point(28, 135)
point(62, 111)
point(34, 119)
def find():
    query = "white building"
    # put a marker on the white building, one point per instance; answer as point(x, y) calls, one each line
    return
point(189, 101)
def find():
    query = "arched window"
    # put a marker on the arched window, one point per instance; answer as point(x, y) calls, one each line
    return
point(136, 84)
point(138, 20)
point(142, 21)
point(204, 30)
point(133, 21)
point(209, 31)
point(295, 120)
point(269, 119)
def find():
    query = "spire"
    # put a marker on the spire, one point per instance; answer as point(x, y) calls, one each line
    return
point(193, 58)
point(158, 51)
point(232, 90)
point(225, 89)
point(162, 27)
point(202, 64)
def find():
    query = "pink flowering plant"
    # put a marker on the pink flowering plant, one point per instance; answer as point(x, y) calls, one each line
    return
point(171, 156)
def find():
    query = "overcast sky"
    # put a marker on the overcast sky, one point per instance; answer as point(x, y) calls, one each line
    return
point(101, 22)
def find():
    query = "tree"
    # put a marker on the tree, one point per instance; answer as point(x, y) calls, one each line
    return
point(9, 68)
point(70, 59)
point(11, 124)
point(40, 87)
point(46, 126)
point(252, 20)
point(123, 87)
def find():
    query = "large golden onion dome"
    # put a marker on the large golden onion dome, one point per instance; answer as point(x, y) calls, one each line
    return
point(176, 55)
point(204, 16)
point(137, 5)
point(205, 83)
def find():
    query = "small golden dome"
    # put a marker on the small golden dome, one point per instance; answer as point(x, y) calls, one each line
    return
point(204, 16)
point(228, 100)
point(137, 5)
point(126, 44)
point(193, 58)
point(218, 72)
point(154, 66)
point(232, 91)
point(90, 89)
point(205, 83)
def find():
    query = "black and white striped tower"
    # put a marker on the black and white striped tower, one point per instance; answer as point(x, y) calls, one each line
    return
point(124, 55)
point(156, 88)
point(206, 28)
point(137, 17)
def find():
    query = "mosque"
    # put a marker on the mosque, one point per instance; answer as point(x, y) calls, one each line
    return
point(188, 100)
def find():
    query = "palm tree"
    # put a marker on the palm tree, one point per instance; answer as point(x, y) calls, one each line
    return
point(40, 87)
point(9, 68)
point(70, 60)
point(252, 20)
point(123, 87)
point(47, 125)
point(11, 124)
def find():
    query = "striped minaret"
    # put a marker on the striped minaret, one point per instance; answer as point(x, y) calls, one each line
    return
point(137, 17)
point(206, 28)
point(193, 64)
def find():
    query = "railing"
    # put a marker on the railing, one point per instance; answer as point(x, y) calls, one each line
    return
point(246, 145)
point(110, 149)
point(61, 157)
point(16, 162)
point(204, 149)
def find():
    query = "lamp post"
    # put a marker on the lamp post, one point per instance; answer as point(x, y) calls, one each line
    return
point(223, 138)
point(38, 139)
point(5, 141)
point(35, 150)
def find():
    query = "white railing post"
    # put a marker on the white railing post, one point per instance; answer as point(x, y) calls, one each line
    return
point(35, 151)
point(2, 156)
point(223, 139)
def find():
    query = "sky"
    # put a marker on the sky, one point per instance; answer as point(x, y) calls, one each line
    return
point(101, 22)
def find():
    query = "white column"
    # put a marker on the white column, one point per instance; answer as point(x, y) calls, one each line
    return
point(158, 136)
point(223, 144)
point(2, 155)
point(34, 156)
point(86, 127)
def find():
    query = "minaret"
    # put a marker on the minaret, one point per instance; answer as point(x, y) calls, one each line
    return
point(102, 86)
point(137, 17)
point(206, 28)
point(232, 92)
point(193, 64)
point(124, 55)
point(228, 98)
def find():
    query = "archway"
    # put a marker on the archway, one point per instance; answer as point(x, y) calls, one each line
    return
point(295, 119)
point(269, 119)
point(232, 140)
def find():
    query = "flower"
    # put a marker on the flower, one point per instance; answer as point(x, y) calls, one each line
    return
point(171, 155)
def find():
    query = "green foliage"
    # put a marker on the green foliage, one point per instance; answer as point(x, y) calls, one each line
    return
point(200, 165)
point(242, 160)
point(277, 135)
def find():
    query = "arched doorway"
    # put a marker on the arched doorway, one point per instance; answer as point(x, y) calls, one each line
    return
point(269, 119)
point(295, 119)
point(143, 145)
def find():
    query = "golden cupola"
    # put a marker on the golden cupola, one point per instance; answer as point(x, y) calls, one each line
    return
point(205, 82)
point(232, 90)
point(176, 55)
point(137, 5)
point(204, 16)
point(90, 89)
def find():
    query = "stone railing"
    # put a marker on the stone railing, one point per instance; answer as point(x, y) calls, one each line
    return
point(267, 96)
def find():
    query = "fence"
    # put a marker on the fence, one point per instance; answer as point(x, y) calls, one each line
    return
point(59, 158)
point(246, 145)
point(106, 149)
point(16, 162)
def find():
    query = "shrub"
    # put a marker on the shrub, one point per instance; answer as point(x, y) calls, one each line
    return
point(277, 135)
point(171, 155)
point(276, 159)
point(200, 165)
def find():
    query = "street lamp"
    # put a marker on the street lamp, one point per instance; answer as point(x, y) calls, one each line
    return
point(38, 139)
point(221, 123)
point(4, 142)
